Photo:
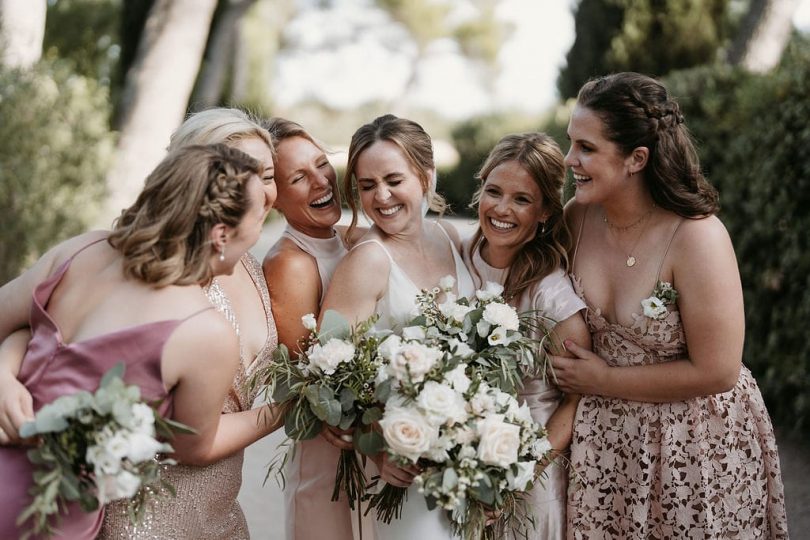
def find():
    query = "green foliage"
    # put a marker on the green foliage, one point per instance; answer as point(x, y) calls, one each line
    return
point(649, 36)
point(56, 147)
point(755, 145)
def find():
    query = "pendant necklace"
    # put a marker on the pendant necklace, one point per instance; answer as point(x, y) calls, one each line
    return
point(631, 260)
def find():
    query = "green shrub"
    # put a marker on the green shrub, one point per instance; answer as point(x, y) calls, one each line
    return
point(55, 152)
point(754, 142)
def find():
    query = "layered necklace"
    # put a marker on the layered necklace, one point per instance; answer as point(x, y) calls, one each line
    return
point(631, 259)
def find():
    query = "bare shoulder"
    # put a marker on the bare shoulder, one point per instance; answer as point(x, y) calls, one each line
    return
point(701, 239)
point(206, 337)
point(574, 213)
point(367, 252)
point(285, 258)
point(451, 231)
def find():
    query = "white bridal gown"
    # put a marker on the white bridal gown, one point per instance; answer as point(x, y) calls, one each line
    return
point(395, 308)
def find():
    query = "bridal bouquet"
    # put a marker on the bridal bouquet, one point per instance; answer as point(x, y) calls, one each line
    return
point(95, 448)
point(332, 382)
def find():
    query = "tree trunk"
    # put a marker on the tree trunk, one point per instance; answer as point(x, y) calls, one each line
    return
point(156, 94)
point(763, 35)
point(22, 28)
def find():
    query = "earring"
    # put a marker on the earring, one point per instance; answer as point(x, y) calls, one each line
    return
point(542, 227)
point(222, 254)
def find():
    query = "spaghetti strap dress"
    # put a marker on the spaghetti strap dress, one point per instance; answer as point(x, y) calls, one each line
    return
point(52, 368)
point(702, 468)
point(205, 506)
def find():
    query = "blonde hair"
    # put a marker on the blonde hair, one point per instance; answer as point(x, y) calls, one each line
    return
point(219, 126)
point(281, 128)
point(164, 237)
point(416, 146)
point(542, 158)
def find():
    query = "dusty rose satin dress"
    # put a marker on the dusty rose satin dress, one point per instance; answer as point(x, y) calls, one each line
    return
point(552, 297)
point(52, 368)
point(206, 506)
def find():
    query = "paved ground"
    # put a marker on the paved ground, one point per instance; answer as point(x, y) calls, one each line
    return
point(263, 505)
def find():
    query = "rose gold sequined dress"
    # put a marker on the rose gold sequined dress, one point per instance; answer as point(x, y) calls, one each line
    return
point(703, 468)
point(205, 507)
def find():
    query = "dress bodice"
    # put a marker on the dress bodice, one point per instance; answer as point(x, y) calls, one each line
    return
point(327, 253)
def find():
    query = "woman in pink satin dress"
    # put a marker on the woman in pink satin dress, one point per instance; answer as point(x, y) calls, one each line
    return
point(521, 243)
point(134, 295)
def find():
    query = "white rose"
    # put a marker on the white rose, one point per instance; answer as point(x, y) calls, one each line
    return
point(457, 378)
point(498, 314)
point(416, 333)
point(490, 291)
point(654, 307)
point(407, 433)
point(447, 282)
point(389, 347)
point(142, 447)
point(441, 404)
point(525, 474)
point(499, 442)
point(329, 356)
point(541, 447)
point(414, 358)
point(309, 321)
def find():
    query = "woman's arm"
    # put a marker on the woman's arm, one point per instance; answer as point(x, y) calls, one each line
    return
point(294, 285)
point(238, 430)
point(710, 302)
point(16, 405)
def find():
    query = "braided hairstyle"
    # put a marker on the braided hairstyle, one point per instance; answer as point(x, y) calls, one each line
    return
point(164, 237)
point(541, 157)
point(636, 110)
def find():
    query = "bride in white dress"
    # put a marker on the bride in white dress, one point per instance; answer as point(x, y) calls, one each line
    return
point(391, 170)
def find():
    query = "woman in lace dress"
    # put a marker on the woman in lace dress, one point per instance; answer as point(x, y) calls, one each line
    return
point(671, 438)
point(521, 243)
point(205, 506)
point(298, 269)
point(391, 169)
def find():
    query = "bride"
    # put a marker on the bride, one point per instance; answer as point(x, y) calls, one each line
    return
point(390, 170)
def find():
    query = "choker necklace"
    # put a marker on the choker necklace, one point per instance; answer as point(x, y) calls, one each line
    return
point(631, 260)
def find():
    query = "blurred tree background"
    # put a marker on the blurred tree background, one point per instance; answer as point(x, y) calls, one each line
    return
point(90, 91)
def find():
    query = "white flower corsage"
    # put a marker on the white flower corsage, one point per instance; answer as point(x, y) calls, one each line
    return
point(655, 307)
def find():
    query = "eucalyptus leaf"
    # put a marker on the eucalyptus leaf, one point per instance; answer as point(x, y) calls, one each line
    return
point(368, 442)
point(347, 421)
point(333, 325)
point(347, 398)
point(115, 372)
point(372, 415)
point(383, 391)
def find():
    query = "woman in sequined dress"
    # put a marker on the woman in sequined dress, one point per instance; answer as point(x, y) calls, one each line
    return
point(206, 505)
point(672, 438)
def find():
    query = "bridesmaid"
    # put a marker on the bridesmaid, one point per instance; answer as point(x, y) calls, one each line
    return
point(521, 243)
point(134, 295)
point(298, 269)
point(672, 438)
point(206, 505)
point(391, 169)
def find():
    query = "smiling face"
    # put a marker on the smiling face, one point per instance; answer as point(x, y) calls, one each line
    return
point(391, 192)
point(509, 210)
point(307, 187)
point(597, 164)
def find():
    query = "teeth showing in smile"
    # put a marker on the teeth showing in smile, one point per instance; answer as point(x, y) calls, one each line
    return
point(322, 201)
point(390, 211)
point(580, 178)
point(501, 224)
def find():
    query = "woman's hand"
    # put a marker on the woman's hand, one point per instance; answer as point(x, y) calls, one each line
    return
point(394, 474)
point(339, 438)
point(16, 408)
point(585, 374)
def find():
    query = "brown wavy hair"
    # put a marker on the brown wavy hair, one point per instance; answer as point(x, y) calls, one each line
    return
point(416, 146)
point(281, 128)
point(541, 157)
point(164, 237)
point(636, 110)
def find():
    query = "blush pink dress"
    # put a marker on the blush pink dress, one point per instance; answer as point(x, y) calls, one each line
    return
point(702, 468)
point(552, 297)
point(52, 368)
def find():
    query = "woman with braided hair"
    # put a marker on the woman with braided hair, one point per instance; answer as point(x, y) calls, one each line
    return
point(671, 438)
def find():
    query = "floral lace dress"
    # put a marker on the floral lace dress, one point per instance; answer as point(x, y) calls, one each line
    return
point(703, 468)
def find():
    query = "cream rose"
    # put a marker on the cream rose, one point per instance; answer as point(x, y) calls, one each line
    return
point(499, 442)
point(413, 358)
point(441, 404)
point(407, 433)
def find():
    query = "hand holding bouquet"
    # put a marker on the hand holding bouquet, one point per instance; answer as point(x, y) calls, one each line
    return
point(95, 448)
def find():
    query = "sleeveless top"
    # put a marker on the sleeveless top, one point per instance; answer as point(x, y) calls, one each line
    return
point(205, 506)
point(398, 303)
point(669, 470)
point(327, 253)
point(52, 368)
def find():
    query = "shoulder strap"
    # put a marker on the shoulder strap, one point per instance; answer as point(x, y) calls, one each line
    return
point(184, 319)
point(375, 241)
point(664, 256)
point(579, 237)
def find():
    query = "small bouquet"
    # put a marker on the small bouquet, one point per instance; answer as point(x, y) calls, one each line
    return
point(96, 448)
point(331, 382)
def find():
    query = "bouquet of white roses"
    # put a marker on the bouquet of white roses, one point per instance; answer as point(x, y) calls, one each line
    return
point(96, 448)
point(332, 382)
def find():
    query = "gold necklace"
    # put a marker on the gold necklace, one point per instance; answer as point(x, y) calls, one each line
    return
point(631, 260)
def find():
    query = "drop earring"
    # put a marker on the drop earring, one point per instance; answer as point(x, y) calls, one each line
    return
point(222, 254)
